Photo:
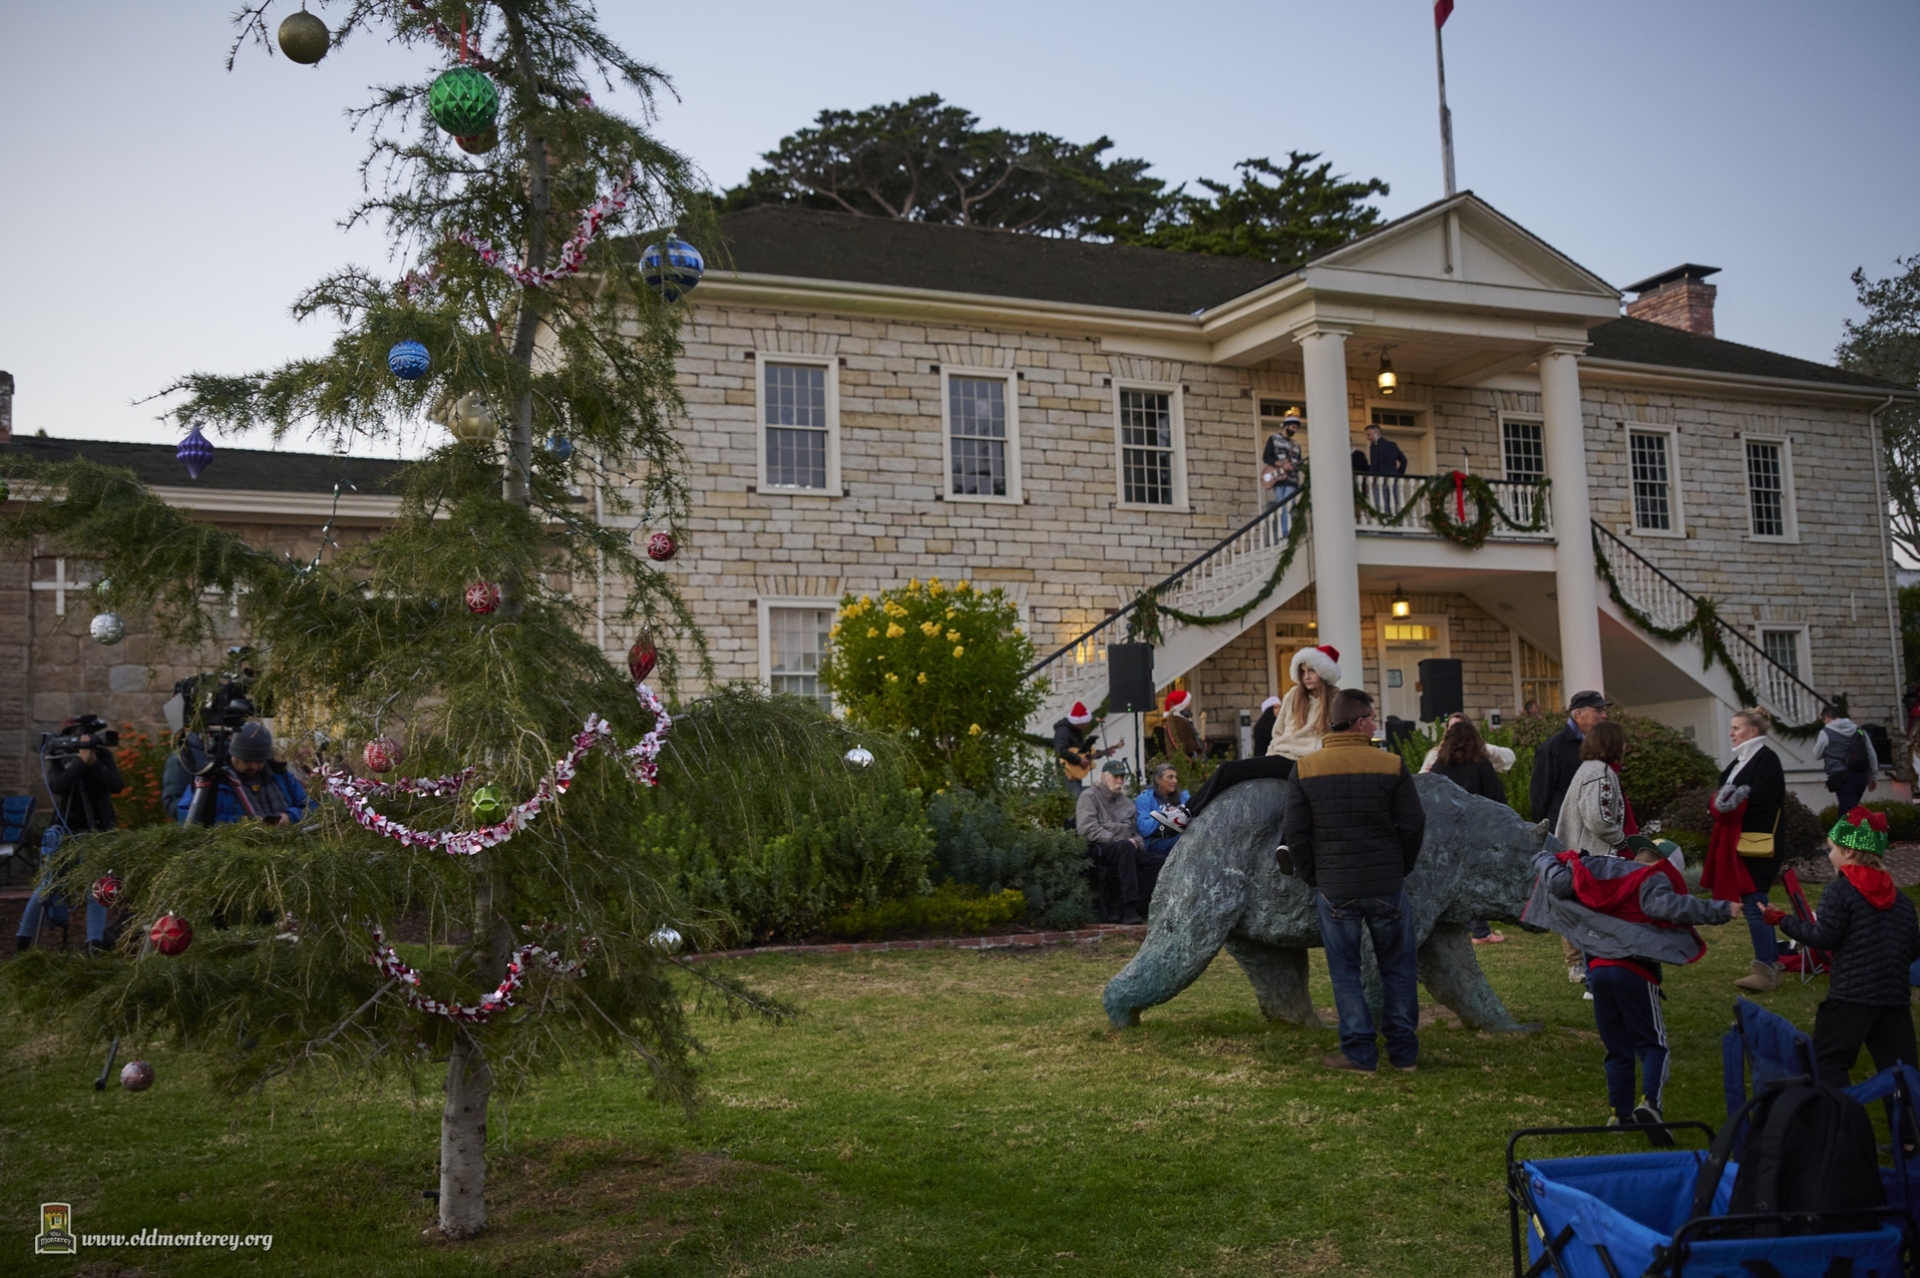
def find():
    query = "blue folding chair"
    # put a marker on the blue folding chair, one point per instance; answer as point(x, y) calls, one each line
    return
point(16, 814)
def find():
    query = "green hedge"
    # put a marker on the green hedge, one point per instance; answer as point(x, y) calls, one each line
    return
point(1660, 762)
point(1903, 819)
point(986, 844)
point(949, 910)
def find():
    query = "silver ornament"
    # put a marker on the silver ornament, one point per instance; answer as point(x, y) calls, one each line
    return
point(860, 757)
point(107, 628)
point(665, 940)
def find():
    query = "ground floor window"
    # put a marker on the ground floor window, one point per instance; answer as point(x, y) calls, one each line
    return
point(1540, 681)
point(1783, 649)
point(797, 640)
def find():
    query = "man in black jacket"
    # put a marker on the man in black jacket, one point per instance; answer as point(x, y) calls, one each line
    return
point(1383, 455)
point(1353, 829)
point(83, 785)
point(1558, 757)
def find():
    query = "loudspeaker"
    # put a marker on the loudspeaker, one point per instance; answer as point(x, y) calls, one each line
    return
point(1130, 678)
point(1440, 691)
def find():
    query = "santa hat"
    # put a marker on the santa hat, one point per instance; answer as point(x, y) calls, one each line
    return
point(1079, 716)
point(1323, 661)
point(1271, 703)
point(1179, 702)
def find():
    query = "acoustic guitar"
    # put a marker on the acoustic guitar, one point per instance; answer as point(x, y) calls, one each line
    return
point(1081, 762)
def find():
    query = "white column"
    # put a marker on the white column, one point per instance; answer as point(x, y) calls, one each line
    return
point(1574, 580)
point(1336, 559)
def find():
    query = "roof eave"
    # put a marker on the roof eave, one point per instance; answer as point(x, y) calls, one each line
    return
point(1668, 374)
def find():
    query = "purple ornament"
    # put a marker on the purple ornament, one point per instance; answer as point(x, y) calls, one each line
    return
point(195, 453)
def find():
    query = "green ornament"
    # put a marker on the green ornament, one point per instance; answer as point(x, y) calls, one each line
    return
point(463, 102)
point(488, 805)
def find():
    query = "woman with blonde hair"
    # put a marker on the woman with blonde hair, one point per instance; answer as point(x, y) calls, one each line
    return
point(1742, 852)
point(1301, 719)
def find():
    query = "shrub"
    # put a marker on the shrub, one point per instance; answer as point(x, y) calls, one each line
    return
point(1800, 833)
point(982, 843)
point(1903, 819)
point(946, 670)
point(949, 910)
point(1660, 762)
point(142, 759)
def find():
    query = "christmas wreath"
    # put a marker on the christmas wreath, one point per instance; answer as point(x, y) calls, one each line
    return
point(1454, 526)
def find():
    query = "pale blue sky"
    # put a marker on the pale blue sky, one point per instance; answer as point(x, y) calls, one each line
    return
point(159, 214)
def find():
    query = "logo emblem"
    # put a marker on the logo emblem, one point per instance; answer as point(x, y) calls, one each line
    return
point(56, 1231)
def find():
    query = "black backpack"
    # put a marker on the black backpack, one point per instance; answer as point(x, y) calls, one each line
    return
point(1857, 759)
point(1809, 1148)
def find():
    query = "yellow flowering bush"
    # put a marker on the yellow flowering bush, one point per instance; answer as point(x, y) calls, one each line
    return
point(948, 670)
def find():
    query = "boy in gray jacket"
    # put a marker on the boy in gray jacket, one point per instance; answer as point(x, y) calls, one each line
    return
point(1629, 916)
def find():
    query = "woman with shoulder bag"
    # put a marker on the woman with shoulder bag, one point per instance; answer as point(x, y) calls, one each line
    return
point(1743, 851)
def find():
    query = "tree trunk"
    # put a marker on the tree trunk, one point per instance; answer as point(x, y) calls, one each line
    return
point(463, 1141)
point(527, 323)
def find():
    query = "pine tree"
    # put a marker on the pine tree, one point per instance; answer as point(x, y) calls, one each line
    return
point(372, 639)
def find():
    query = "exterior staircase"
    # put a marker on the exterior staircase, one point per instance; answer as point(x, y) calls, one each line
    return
point(1222, 580)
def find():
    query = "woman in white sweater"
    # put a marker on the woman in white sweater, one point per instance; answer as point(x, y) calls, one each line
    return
point(1302, 718)
point(1593, 817)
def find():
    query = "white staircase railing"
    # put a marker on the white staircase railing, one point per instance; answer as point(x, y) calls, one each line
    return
point(1669, 605)
point(1520, 501)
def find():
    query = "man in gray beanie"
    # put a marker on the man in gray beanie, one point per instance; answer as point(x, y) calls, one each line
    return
point(255, 787)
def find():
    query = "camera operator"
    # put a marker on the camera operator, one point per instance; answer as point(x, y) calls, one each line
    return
point(253, 785)
point(78, 766)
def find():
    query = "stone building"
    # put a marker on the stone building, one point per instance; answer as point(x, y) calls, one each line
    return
point(874, 401)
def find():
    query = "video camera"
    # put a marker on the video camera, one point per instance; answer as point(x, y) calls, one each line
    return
point(91, 731)
point(215, 705)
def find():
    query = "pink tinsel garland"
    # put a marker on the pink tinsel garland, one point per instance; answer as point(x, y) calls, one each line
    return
point(573, 254)
point(357, 794)
point(390, 964)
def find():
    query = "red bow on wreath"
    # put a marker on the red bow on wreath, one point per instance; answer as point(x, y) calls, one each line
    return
point(1876, 821)
point(1460, 496)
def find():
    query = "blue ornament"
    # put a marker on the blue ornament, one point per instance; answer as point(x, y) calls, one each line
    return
point(674, 275)
point(560, 446)
point(195, 453)
point(409, 361)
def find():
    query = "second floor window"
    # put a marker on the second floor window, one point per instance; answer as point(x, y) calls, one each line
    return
point(1523, 449)
point(1766, 489)
point(1146, 447)
point(1783, 649)
point(1652, 483)
point(977, 417)
point(796, 426)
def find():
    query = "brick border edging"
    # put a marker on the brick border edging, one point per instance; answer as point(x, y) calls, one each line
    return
point(1011, 941)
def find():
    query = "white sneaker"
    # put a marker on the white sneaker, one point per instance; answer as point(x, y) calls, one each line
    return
point(1588, 996)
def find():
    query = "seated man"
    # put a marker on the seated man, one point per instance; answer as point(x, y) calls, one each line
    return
point(1163, 792)
point(256, 787)
point(1105, 817)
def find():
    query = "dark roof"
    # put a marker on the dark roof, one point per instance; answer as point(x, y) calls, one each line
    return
point(1684, 271)
point(804, 243)
point(1632, 341)
point(257, 469)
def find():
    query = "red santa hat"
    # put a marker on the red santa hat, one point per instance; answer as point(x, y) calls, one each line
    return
point(1079, 716)
point(1179, 702)
point(1323, 661)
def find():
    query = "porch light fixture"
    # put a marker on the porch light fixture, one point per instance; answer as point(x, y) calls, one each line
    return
point(1387, 381)
point(1402, 606)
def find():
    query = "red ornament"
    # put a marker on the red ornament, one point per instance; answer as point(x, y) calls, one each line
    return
point(106, 890)
point(381, 755)
point(483, 597)
point(171, 934)
point(642, 657)
point(137, 1076)
point(660, 547)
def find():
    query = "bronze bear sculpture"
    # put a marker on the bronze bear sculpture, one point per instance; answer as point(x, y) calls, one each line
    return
point(1222, 887)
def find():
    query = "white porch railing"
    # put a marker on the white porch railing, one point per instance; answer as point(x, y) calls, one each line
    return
point(1521, 501)
point(1669, 605)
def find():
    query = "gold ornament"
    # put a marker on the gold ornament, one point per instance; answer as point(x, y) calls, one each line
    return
point(469, 419)
point(304, 38)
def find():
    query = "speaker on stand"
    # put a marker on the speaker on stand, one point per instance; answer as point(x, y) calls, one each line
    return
point(1130, 687)
point(1440, 688)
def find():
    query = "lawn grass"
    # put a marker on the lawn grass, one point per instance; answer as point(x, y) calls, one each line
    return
point(933, 1112)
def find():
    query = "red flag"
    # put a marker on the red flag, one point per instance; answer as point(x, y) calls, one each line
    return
point(1442, 10)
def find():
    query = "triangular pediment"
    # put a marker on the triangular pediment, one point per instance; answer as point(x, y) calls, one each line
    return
point(1464, 240)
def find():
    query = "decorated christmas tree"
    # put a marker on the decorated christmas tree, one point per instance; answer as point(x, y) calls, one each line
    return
point(481, 768)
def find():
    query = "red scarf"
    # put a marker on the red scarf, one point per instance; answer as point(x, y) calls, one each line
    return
point(1875, 885)
point(1724, 875)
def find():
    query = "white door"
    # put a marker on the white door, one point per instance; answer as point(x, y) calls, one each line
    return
point(1400, 678)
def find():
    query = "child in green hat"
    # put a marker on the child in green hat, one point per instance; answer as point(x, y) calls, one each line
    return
point(1873, 933)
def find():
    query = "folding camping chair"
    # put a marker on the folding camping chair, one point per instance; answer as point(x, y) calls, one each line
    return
point(1808, 962)
point(1764, 1044)
point(16, 813)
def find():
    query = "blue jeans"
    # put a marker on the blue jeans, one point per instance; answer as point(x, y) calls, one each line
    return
point(56, 912)
point(1388, 920)
point(1283, 495)
point(1765, 948)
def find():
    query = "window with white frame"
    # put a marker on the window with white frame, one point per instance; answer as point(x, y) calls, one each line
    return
point(1783, 649)
point(1147, 462)
point(982, 436)
point(1523, 449)
point(1652, 479)
point(1768, 498)
point(797, 641)
point(796, 412)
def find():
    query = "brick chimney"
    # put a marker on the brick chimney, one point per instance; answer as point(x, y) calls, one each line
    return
point(1680, 298)
point(6, 408)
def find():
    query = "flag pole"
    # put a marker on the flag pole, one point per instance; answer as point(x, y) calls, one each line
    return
point(1442, 9)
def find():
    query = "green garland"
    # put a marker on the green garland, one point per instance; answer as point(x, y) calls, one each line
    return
point(1706, 627)
point(1436, 490)
point(1143, 623)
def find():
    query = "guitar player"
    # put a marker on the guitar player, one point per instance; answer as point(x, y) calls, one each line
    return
point(1073, 743)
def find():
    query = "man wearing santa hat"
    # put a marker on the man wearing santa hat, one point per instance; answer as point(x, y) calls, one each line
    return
point(1073, 745)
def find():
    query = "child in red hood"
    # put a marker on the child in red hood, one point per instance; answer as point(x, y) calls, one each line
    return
point(1874, 934)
